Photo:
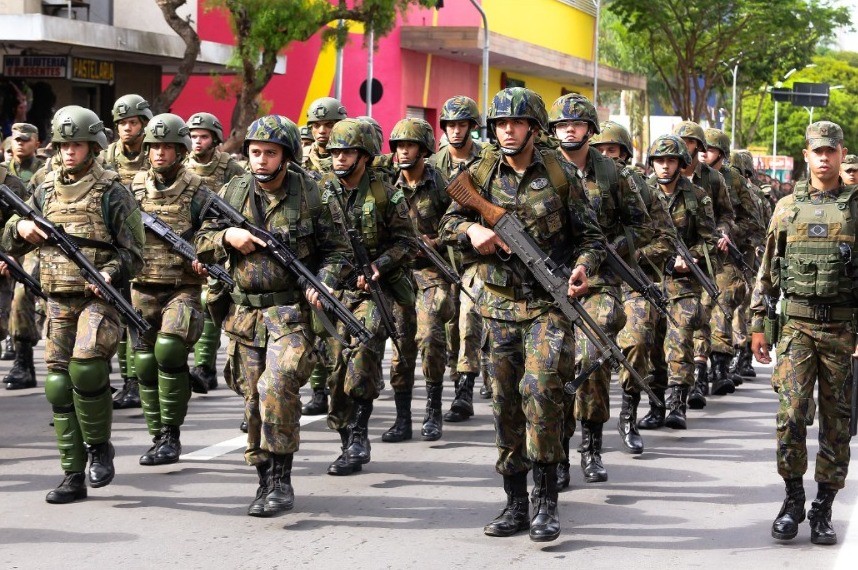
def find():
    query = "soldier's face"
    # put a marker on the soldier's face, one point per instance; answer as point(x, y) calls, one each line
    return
point(322, 131)
point(74, 154)
point(693, 147)
point(264, 157)
point(129, 128)
point(162, 154)
point(665, 166)
point(711, 156)
point(824, 162)
point(571, 131)
point(457, 131)
point(511, 133)
point(611, 150)
point(202, 141)
point(849, 173)
point(22, 149)
point(408, 152)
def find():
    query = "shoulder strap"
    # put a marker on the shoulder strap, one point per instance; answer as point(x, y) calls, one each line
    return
point(556, 174)
point(800, 191)
point(485, 168)
point(378, 191)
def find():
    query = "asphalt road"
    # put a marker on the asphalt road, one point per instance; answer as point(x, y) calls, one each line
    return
point(702, 498)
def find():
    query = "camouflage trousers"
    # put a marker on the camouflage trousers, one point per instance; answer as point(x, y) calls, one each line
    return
point(435, 310)
point(741, 322)
point(678, 342)
point(807, 351)
point(470, 325)
point(642, 342)
point(403, 364)
point(7, 288)
point(176, 312)
point(28, 312)
point(592, 397)
point(270, 378)
point(80, 327)
point(716, 331)
point(524, 370)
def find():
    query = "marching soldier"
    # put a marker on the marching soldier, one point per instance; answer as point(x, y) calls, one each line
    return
point(849, 169)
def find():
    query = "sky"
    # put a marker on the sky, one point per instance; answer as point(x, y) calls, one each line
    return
point(848, 40)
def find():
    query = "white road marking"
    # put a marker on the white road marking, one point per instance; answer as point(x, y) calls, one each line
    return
point(230, 445)
point(849, 549)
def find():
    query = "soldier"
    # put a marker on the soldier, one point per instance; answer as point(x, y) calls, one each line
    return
point(23, 161)
point(306, 144)
point(23, 373)
point(813, 228)
point(849, 169)
point(167, 291)
point(270, 354)
point(88, 202)
point(637, 339)
point(368, 203)
point(216, 168)
point(690, 208)
point(412, 140)
point(529, 342)
point(615, 196)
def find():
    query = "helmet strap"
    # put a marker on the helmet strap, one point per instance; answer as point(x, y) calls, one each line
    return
point(515, 151)
point(269, 177)
point(666, 181)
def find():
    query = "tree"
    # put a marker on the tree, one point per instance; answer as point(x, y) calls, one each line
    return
point(694, 44)
point(265, 27)
point(182, 26)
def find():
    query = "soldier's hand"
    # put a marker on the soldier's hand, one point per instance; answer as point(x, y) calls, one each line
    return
point(242, 240)
point(95, 290)
point(578, 284)
point(760, 348)
point(4, 269)
point(679, 265)
point(361, 280)
point(854, 354)
point(313, 296)
point(199, 268)
point(486, 241)
point(723, 243)
point(30, 232)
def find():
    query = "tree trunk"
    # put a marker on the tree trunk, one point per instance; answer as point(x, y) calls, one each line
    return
point(185, 31)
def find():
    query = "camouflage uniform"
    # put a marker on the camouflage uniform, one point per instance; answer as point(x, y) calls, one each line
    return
point(116, 157)
point(7, 284)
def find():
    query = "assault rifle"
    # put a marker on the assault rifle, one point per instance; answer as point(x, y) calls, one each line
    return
point(738, 258)
point(69, 246)
point(708, 285)
point(444, 269)
point(553, 278)
point(20, 275)
point(639, 282)
point(286, 258)
point(185, 250)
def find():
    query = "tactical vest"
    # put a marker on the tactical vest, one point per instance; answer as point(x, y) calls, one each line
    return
point(820, 240)
point(173, 206)
point(212, 172)
point(490, 157)
point(124, 166)
point(318, 163)
point(79, 209)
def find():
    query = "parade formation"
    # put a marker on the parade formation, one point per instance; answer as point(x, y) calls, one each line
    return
point(543, 260)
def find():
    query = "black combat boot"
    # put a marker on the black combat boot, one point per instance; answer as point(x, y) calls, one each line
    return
point(170, 448)
point(341, 465)
point(654, 419)
point(792, 512)
point(677, 402)
point(148, 458)
point(401, 428)
point(8, 349)
point(73, 488)
point(515, 516)
point(257, 507)
point(545, 524)
point(627, 423)
point(563, 477)
point(462, 407)
point(485, 389)
point(821, 531)
point(359, 450)
point(23, 373)
point(243, 426)
point(101, 469)
point(128, 396)
point(745, 366)
point(697, 396)
point(433, 425)
point(721, 382)
point(591, 453)
point(281, 497)
point(203, 376)
point(318, 404)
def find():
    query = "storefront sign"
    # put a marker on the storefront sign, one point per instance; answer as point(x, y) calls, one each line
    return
point(92, 70)
point(35, 66)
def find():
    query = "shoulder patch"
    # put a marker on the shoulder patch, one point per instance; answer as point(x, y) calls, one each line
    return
point(397, 197)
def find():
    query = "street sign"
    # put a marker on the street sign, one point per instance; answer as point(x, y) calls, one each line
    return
point(781, 94)
point(35, 66)
point(810, 94)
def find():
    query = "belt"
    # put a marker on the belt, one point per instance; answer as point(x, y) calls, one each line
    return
point(820, 313)
point(264, 300)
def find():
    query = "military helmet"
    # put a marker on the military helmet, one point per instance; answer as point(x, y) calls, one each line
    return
point(275, 129)
point(610, 132)
point(306, 135)
point(460, 108)
point(667, 146)
point(414, 130)
point(515, 103)
point(129, 106)
point(208, 122)
point(691, 130)
point(744, 161)
point(325, 109)
point(716, 138)
point(354, 133)
point(167, 128)
point(573, 107)
point(77, 124)
point(379, 133)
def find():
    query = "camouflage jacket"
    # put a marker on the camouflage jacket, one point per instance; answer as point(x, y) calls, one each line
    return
point(723, 201)
point(749, 227)
point(26, 169)
point(560, 220)
point(217, 171)
point(444, 162)
point(53, 163)
point(317, 164)
point(114, 158)
point(15, 185)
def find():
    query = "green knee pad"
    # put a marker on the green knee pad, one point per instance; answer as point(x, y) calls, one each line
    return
point(174, 386)
point(146, 369)
point(122, 356)
point(58, 389)
point(92, 401)
point(130, 362)
point(205, 351)
point(319, 377)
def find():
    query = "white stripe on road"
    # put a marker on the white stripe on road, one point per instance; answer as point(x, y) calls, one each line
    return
point(849, 551)
point(236, 443)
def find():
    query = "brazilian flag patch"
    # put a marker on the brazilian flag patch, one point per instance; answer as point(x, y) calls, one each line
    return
point(817, 230)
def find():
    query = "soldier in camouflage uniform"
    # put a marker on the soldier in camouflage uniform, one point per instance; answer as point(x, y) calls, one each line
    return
point(367, 202)
point(23, 162)
point(412, 140)
point(167, 291)
point(849, 169)
point(216, 168)
point(637, 339)
point(615, 196)
point(809, 258)
point(87, 202)
point(270, 352)
point(306, 144)
point(529, 342)
point(690, 208)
